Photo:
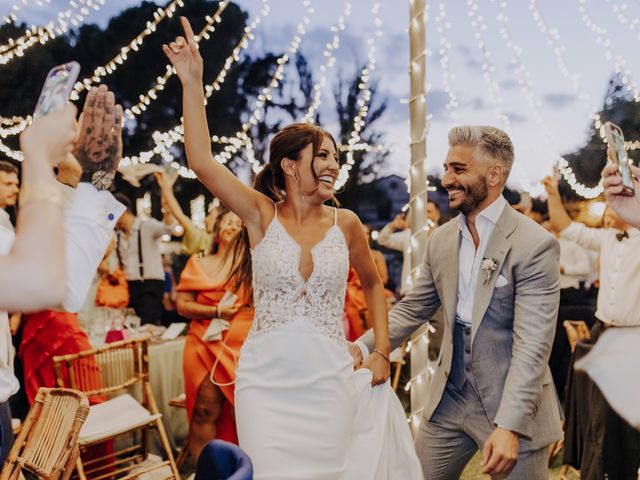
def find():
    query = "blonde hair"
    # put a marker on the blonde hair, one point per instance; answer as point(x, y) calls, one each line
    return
point(489, 141)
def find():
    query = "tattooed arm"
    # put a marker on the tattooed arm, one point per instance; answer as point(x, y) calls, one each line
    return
point(98, 147)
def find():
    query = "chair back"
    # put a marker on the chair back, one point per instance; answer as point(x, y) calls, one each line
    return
point(576, 330)
point(107, 370)
point(46, 445)
point(220, 460)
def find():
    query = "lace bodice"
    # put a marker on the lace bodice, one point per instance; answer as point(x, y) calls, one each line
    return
point(280, 294)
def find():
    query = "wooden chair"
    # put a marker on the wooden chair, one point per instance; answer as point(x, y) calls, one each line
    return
point(181, 402)
point(110, 374)
point(47, 444)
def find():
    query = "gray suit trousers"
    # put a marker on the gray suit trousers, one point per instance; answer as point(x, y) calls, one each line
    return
point(459, 426)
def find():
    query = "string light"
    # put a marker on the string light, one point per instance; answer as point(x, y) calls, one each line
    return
point(230, 150)
point(11, 16)
point(526, 85)
point(445, 47)
point(554, 42)
point(603, 39)
point(106, 69)
point(329, 62)
point(488, 69)
point(112, 65)
point(619, 11)
point(152, 94)
point(364, 96)
point(73, 16)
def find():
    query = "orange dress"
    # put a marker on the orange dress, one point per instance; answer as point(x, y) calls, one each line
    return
point(200, 356)
point(355, 307)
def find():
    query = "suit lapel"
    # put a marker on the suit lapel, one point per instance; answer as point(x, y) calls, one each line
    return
point(450, 253)
point(497, 250)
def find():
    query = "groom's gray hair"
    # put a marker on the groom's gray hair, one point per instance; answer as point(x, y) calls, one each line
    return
point(489, 141)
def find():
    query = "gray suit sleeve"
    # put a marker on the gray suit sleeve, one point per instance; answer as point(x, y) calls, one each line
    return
point(416, 308)
point(537, 295)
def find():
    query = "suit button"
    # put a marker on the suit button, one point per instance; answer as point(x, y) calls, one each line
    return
point(467, 350)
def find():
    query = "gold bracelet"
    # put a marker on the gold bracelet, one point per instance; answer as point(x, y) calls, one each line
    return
point(382, 355)
point(40, 191)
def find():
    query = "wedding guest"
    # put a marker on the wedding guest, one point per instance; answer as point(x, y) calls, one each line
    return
point(216, 333)
point(606, 432)
point(138, 251)
point(396, 235)
point(91, 213)
point(378, 257)
point(195, 239)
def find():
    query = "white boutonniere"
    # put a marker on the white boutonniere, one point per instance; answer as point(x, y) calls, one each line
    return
point(488, 265)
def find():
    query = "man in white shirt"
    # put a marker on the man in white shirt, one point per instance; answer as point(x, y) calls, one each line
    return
point(495, 273)
point(396, 235)
point(618, 245)
point(139, 254)
point(90, 215)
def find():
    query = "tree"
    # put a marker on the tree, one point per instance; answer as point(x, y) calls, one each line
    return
point(366, 165)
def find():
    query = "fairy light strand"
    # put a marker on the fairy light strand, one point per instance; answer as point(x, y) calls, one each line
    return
point(74, 16)
point(15, 8)
point(443, 27)
point(328, 52)
point(364, 97)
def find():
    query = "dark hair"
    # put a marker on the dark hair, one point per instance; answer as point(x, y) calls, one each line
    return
point(8, 167)
point(124, 200)
point(287, 143)
point(222, 211)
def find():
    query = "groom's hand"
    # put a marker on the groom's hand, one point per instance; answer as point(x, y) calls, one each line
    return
point(356, 353)
point(500, 452)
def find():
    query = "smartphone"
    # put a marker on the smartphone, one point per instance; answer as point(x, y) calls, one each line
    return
point(57, 88)
point(615, 141)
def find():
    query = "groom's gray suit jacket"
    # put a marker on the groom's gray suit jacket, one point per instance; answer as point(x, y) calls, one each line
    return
point(512, 325)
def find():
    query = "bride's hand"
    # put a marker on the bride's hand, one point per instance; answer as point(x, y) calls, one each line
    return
point(379, 366)
point(184, 56)
point(356, 353)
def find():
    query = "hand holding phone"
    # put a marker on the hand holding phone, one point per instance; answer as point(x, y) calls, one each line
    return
point(618, 155)
point(57, 88)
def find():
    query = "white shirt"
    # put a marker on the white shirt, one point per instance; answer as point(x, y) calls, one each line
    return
point(89, 218)
point(400, 241)
point(575, 262)
point(619, 271)
point(150, 231)
point(470, 258)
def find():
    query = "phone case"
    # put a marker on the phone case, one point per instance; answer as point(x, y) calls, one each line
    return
point(57, 88)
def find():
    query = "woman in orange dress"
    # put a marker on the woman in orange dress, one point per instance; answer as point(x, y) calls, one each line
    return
point(355, 305)
point(210, 363)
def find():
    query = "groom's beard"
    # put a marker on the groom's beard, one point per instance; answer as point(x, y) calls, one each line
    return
point(473, 196)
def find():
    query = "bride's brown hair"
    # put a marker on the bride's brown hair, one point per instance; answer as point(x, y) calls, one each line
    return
point(287, 143)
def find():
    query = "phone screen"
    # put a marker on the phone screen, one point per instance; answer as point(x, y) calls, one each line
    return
point(57, 88)
point(623, 159)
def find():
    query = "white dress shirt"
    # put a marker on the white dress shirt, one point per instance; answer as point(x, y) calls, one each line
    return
point(575, 262)
point(150, 231)
point(400, 241)
point(89, 218)
point(470, 258)
point(619, 271)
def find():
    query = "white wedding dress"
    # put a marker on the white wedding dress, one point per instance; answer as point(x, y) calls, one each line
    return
point(302, 412)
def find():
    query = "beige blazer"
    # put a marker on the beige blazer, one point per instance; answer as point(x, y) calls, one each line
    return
point(512, 326)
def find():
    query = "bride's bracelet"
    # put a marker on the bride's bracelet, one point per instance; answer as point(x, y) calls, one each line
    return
point(382, 355)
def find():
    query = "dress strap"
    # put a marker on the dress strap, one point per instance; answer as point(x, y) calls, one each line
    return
point(335, 216)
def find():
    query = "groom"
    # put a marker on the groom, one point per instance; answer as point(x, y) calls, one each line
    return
point(496, 274)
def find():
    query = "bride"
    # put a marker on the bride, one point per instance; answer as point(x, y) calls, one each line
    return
point(301, 410)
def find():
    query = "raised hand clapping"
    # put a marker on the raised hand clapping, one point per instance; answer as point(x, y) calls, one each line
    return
point(184, 56)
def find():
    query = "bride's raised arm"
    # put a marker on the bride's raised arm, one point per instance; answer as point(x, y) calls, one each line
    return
point(247, 203)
